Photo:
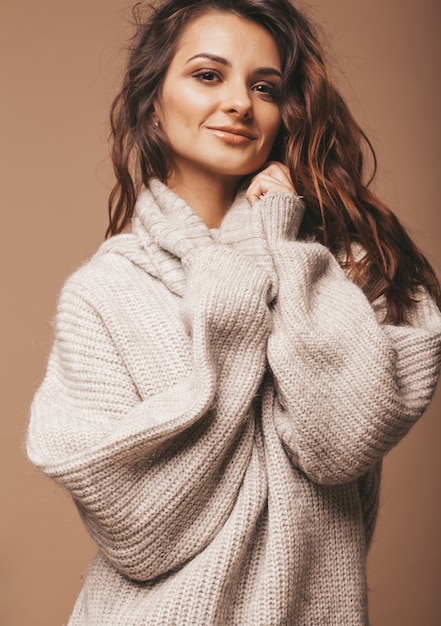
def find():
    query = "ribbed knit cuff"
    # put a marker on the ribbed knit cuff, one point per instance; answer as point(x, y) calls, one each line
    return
point(281, 216)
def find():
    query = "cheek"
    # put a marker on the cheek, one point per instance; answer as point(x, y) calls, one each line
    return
point(269, 139)
point(270, 123)
point(275, 126)
point(171, 109)
point(187, 108)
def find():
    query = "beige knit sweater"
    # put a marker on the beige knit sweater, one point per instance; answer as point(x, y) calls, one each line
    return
point(218, 404)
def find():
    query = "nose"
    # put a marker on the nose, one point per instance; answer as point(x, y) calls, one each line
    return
point(237, 100)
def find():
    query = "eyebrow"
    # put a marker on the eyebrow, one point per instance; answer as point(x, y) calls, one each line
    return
point(265, 71)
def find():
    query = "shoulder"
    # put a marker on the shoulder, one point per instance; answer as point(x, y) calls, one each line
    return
point(114, 292)
point(119, 285)
point(118, 262)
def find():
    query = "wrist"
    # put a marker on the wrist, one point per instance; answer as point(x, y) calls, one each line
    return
point(281, 215)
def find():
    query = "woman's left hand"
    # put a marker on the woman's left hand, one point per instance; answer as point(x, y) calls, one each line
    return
point(274, 178)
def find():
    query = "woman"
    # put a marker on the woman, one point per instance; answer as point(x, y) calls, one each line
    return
point(227, 376)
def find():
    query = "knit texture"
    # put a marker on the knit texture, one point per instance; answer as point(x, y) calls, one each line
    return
point(218, 404)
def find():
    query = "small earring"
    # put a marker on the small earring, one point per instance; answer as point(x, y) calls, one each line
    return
point(156, 123)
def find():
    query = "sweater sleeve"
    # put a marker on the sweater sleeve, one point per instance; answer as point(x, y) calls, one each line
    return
point(349, 387)
point(155, 479)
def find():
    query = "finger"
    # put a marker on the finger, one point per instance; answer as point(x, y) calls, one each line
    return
point(268, 179)
point(277, 170)
point(265, 183)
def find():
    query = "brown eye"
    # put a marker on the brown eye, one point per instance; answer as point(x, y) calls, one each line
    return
point(207, 76)
point(268, 90)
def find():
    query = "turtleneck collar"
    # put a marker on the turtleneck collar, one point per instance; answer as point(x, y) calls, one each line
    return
point(167, 229)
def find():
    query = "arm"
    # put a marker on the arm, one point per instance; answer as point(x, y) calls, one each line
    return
point(349, 387)
point(146, 474)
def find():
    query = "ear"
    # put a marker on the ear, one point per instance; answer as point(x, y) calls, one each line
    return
point(155, 117)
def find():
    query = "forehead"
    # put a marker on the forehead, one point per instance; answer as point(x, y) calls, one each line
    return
point(228, 35)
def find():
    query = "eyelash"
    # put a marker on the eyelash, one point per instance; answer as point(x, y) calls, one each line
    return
point(270, 94)
point(202, 75)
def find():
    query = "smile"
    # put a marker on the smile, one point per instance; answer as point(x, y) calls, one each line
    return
point(232, 135)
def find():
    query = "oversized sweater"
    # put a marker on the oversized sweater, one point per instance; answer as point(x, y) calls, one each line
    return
point(218, 403)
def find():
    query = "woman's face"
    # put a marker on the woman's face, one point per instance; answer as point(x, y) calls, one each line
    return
point(217, 105)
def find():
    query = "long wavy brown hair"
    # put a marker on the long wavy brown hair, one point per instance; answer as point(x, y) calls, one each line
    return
point(320, 142)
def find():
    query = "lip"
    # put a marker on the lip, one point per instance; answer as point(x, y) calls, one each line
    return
point(232, 134)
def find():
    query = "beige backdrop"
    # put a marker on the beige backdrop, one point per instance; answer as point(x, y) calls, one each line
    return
point(60, 67)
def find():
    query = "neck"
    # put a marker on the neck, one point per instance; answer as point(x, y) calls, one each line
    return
point(210, 199)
